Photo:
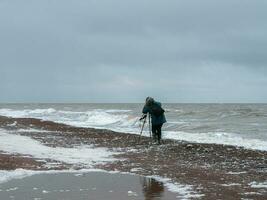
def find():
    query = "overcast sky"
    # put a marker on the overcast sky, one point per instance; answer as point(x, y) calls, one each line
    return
point(123, 51)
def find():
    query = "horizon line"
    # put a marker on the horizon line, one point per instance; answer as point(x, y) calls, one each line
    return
point(132, 102)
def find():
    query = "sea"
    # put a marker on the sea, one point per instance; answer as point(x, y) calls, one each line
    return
point(242, 125)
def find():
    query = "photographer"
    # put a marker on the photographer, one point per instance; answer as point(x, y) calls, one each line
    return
point(157, 115)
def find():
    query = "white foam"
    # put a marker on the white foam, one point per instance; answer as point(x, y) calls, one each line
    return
point(25, 113)
point(91, 118)
point(132, 194)
point(230, 184)
point(122, 121)
point(7, 175)
point(237, 173)
point(33, 130)
point(218, 138)
point(81, 155)
point(116, 111)
point(258, 184)
point(183, 191)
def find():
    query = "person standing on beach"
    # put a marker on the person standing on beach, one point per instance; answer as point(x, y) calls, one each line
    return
point(157, 115)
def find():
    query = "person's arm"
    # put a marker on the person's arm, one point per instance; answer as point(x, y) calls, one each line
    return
point(144, 111)
point(143, 117)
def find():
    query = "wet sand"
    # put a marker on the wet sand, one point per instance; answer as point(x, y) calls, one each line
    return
point(93, 186)
point(216, 171)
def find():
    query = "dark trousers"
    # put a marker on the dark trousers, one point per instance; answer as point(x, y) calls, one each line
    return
point(156, 131)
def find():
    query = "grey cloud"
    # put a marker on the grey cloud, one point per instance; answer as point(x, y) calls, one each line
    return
point(123, 50)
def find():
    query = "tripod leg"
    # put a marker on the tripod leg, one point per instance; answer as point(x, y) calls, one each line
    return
point(142, 130)
point(149, 126)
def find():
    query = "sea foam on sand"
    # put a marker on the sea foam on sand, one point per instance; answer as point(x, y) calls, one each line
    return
point(259, 185)
point(84, 155)
point(7, 175)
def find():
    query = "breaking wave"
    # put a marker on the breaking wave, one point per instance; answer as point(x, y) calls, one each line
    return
point(179, 126)
point(96, 117)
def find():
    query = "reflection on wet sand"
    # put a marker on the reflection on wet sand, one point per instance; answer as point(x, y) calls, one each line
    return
point(152, 189)
point(80, 186)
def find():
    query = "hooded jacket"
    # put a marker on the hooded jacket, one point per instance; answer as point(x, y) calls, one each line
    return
point(155, 120)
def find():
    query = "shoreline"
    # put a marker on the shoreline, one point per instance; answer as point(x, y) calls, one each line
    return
point(217, 171)
point(239, 125)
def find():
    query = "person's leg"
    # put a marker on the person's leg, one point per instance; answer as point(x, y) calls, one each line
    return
point(159, 132)
point(154, 132)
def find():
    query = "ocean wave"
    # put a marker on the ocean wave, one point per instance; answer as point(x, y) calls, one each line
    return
point(126, 121)
point(218, 138)
point(248, 112)
point(185, 112)
point(95, 117)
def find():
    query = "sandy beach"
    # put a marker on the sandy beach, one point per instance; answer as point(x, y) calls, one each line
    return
point(213, 171)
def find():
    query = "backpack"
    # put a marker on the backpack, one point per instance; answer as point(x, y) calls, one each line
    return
point(156, 110)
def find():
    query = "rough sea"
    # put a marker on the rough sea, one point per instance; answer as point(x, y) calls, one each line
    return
point(243, 125)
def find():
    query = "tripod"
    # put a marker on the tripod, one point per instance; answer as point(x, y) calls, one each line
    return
point(143, 125)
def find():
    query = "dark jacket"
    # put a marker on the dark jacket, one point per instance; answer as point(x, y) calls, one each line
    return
point(155, 120)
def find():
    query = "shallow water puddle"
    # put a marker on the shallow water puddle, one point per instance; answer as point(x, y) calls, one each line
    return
point(93, 185)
